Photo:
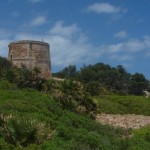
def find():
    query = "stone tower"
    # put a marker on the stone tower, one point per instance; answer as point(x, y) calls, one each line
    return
point(31, 54)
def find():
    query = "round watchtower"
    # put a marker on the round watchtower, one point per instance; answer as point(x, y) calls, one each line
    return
point(31, 54)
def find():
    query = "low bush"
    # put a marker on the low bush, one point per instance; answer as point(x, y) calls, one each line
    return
point(21, 131)
point(72, 96)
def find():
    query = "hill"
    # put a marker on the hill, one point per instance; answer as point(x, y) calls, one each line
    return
point(47, 114)
point(68, 130)
point(30, 119)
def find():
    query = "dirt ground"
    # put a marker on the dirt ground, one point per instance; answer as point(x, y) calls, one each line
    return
point(124, 121)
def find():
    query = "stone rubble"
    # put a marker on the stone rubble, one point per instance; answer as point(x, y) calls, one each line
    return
point(124, 121)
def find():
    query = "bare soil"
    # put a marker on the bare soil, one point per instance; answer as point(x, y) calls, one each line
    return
point(124, 121)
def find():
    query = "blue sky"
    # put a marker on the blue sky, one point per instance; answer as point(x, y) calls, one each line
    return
point(115, 32)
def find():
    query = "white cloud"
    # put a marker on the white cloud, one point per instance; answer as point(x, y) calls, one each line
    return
point(135, 45)
point(68, 44)
point(68, 51)
point(60, 29)
point(103, 8)
point(38, 21)
point(126, 51)
point(129, 46)
point(114, 48)
point(121, 34)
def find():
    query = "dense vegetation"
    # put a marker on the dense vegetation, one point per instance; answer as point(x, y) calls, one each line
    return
point(32, 120)
point(68, 130)
point(98, 79)
point(4, 66)
point(39, 114)
point(101, 78)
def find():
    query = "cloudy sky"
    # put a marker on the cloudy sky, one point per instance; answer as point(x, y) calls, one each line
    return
point(115, 32)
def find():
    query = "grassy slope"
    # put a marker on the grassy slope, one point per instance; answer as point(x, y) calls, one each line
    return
point(73, 131)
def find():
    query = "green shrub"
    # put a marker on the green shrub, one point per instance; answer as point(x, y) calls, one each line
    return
point(72, 96)
point(4, 85)
point(94, 88)
point(20, 131)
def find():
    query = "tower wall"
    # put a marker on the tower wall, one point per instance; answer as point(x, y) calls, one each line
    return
point(31, 54)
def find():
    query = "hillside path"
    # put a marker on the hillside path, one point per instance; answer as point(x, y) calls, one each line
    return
point(125, 121)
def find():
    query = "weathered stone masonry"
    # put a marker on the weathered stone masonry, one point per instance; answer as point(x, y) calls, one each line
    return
point(31, 54)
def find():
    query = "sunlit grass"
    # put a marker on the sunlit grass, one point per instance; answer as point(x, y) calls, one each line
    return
point(123, 104)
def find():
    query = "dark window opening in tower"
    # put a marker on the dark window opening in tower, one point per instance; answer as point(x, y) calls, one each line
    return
point(10, 57)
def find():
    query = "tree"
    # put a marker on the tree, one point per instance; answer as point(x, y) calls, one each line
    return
point(86, 74)
point(114, 79)
point(67, 72)
point(94, 88)
point(25, 77)
point(138, 83)
point(4, 65)
point(122, 83)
